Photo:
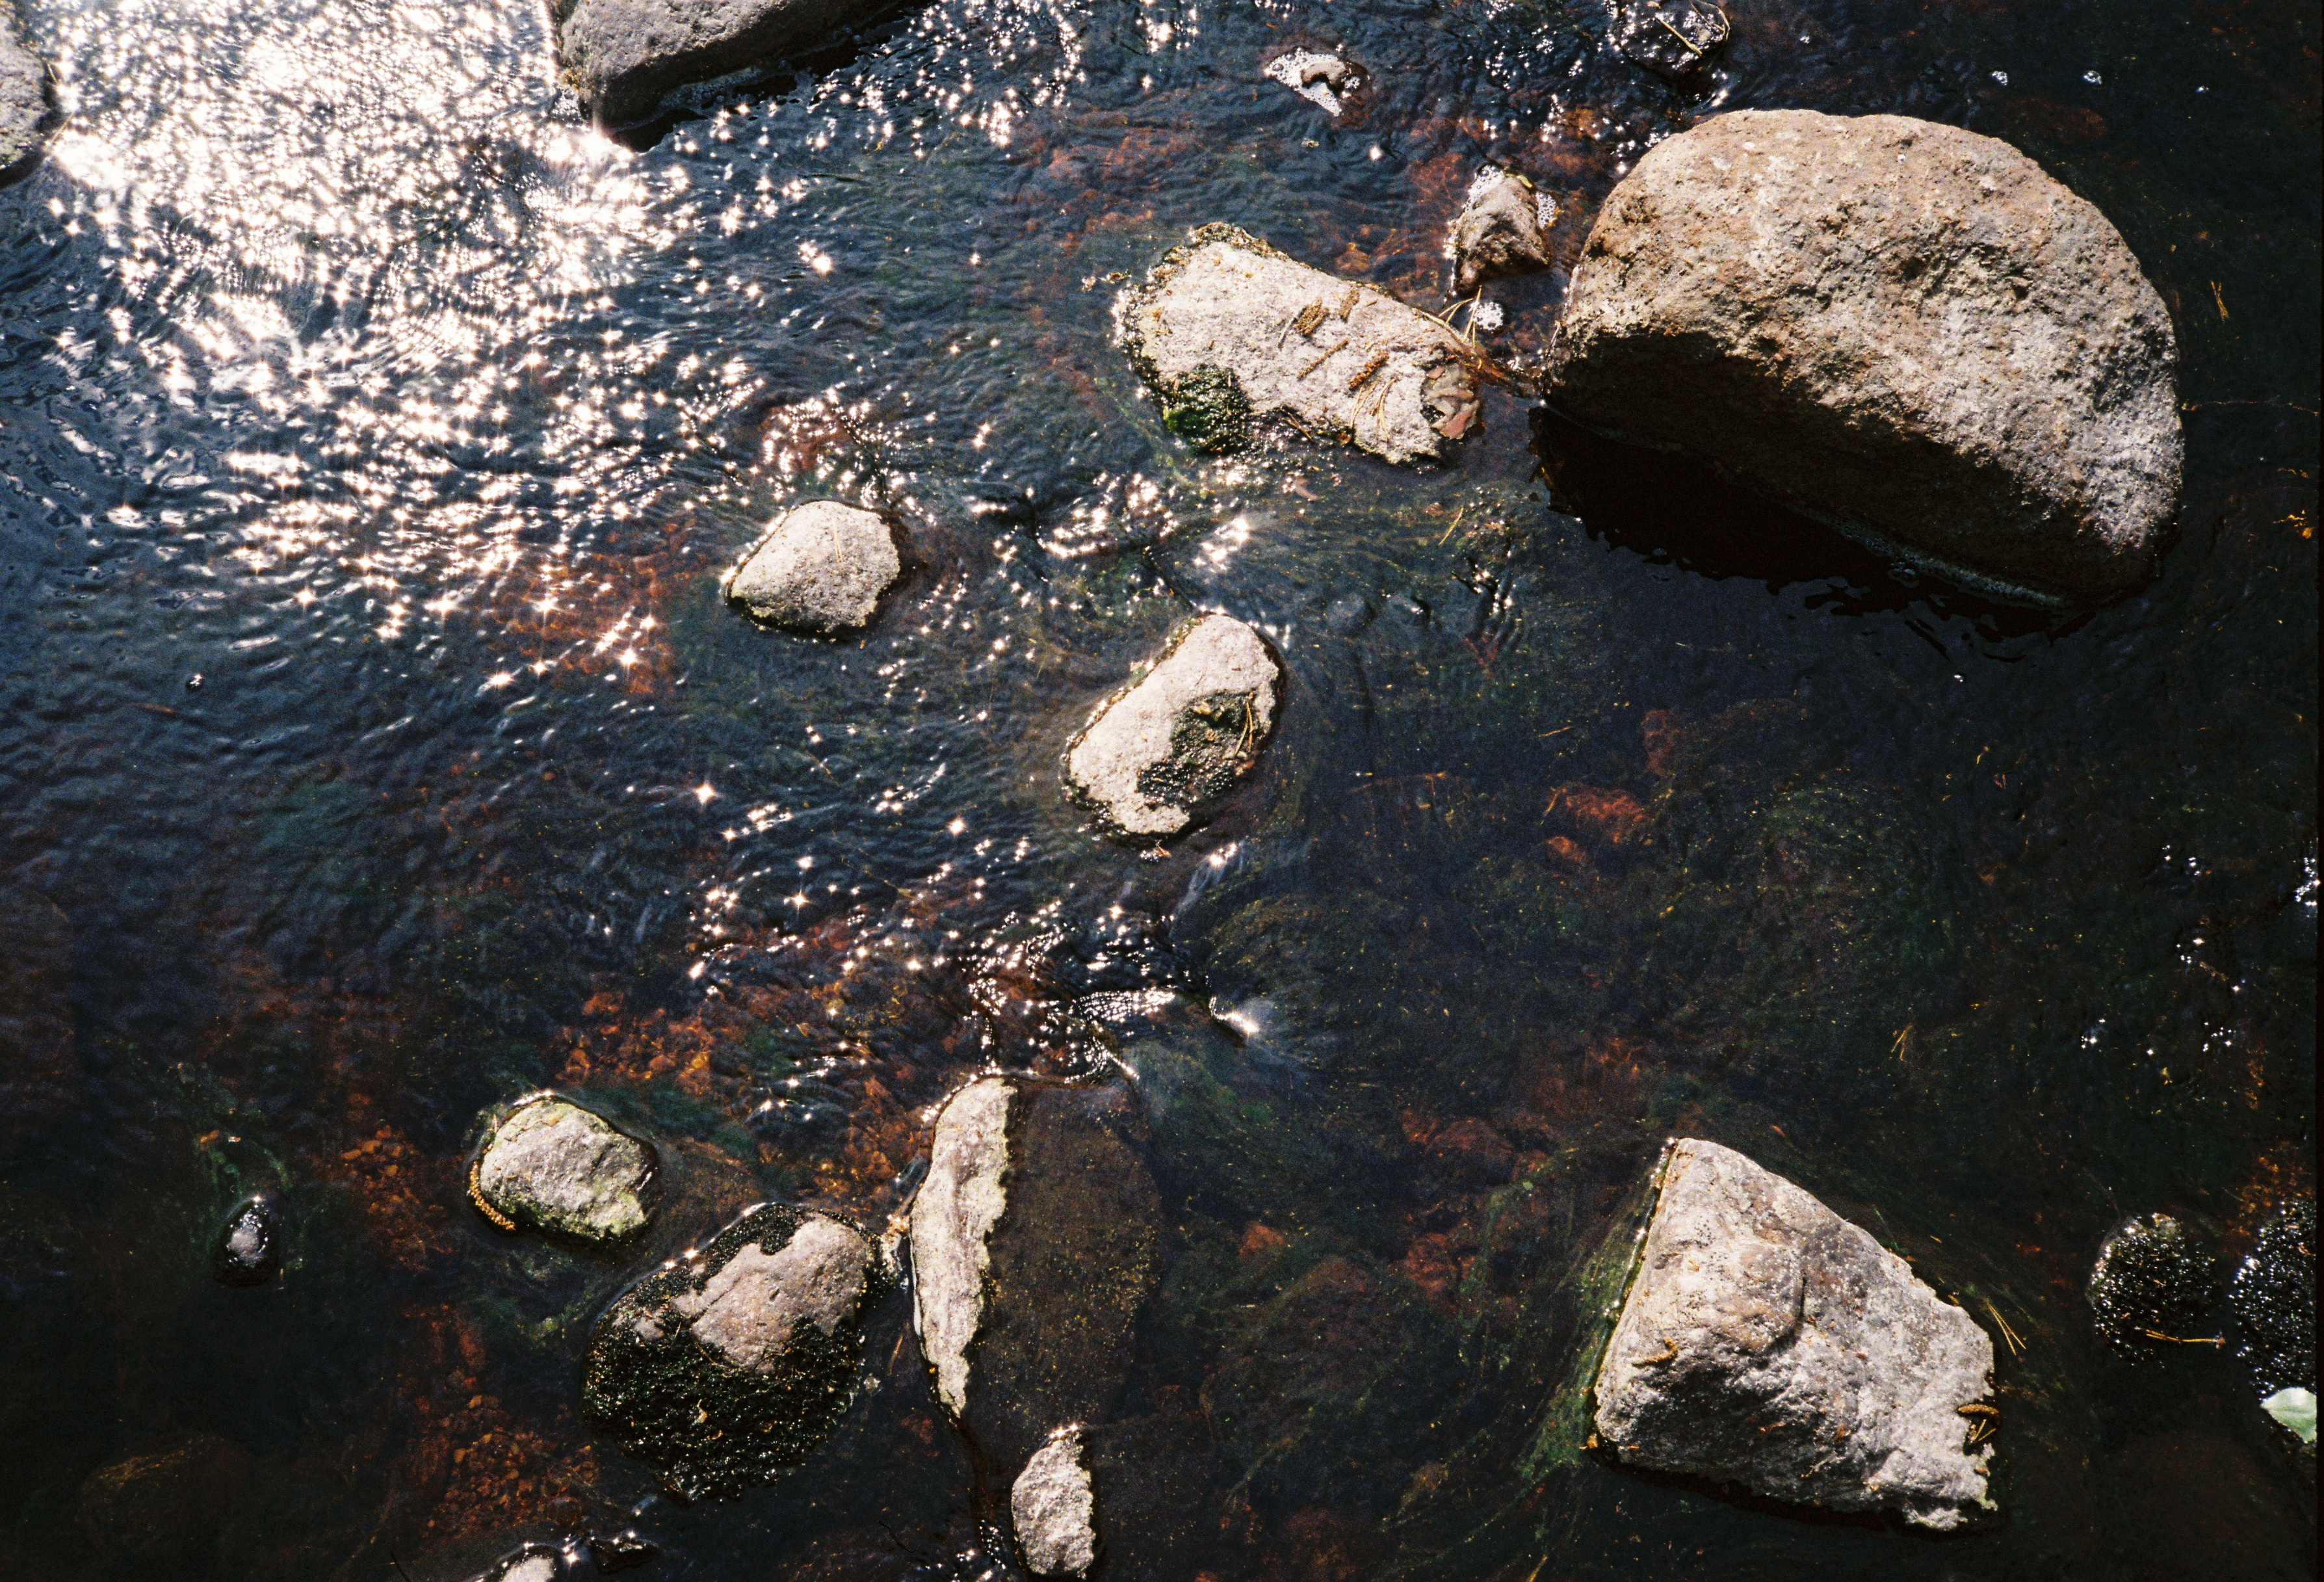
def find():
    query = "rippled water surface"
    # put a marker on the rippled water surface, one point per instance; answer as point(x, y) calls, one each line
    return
point(375, 748)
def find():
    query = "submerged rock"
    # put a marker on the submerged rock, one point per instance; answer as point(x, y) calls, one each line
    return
point(1182, 733)
point(2274, 1295)
point(725, 1368)
point(1035, 1243)
point(2154, 1276)
point(248, 1250)
point(24, 109)
point(1904, 329)
point(1323, 80)
point(551, 1166)
point(1054, 1510)
point(621, 57)
point(1673, 39)
point(1768, 1342)
point(1225, 325)
point(1499, 231)
point(821, 567)
point(163, 1504)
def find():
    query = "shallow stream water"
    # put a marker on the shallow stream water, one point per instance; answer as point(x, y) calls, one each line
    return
point(374, 748)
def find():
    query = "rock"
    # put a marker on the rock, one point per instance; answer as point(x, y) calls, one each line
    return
point(2154, 1275)
point(164, 1504)
point(1035, 1243)
point(1499, 231)
point(25, 111)
point(622, 1551)
point(528, 1565)
point(1673, 39)
point(1325, 81)
point(1768, 1342)
point(1904, 329)
point(621, 57)
point(1054, 1510)
point(1181, 734)
point(1227, 325)
point(248, 1250)
point(725, 1368)
point(2274, 1295)
point(821, 567)
point(551, 1166)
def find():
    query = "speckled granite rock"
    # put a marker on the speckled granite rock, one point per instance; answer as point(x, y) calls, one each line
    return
point(1768, 1342)
point(1499, 230)
point(1225, 327)
point(1181, 733)
point(549, 1165)
point(1054, 1510)
point(821, 567)
point(1904, 329)
point(24, 108)
point(622, 57)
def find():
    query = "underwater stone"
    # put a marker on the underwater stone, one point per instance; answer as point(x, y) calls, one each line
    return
point(821, 567)
point(249, 1246)
point(1054, 1510)
point(1499, 231)
point(1340, 358)
point(1673, 39)
point(165, 1505)
point(2153, 1274)
point(1182, 733)
point(1323, 80)
point(1768, 1342)
point(1904, 330)
point(725, 1368)
point(551, 1166)
point(621, 57)
point(2274, 1295)
point(24, 111)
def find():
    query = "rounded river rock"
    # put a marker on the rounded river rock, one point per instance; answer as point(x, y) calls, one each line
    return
point(822, 569)
point(549, 1165)
point(1182, 733)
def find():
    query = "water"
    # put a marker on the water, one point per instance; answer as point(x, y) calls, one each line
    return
point(376, 749)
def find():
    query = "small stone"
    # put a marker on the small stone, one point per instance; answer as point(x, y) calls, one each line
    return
point(248, 1250)
point(1324, 80)
point(1673, 39)
point(2274, 1295)
point(822, 567)
point(1499, 231)
point(26, 113)
point(618, 1551)
point(1768, 1342)
point(1054, 1509)
point(531, 1565)
point(622, 59)
point(551, 1166)
point(1180, 734)
point(2154, 1276)
point(1337, 357)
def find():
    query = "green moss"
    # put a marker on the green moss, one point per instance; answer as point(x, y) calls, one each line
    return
point(1206, 408)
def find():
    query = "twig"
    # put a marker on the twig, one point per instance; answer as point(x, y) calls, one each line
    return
point(2007, 1334)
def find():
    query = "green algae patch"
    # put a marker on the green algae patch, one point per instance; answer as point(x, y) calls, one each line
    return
point(1207, 409)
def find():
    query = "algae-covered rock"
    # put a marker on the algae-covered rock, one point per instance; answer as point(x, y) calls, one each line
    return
point(2154, 1276)
point(2273, 1294)
point(723, 1368)
point(822, 569)
point(1181, 733)
point(1768, 1342)
point(1676, 39)
point(551, 1166)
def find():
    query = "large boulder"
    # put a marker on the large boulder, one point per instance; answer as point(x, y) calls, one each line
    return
point(1226, 329)
point(822, 567)
point(1902, 328)
point(1181, 733)
point(549, 1165)
point(622, 58)
point(1767, 1342)
point(24, 108)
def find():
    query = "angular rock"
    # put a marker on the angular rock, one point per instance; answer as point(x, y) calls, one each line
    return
point(622, 58)
point(1673, 39)
point(1035, 1243)
point(1768, 1342)
point(248, 1250)
point(26, 112)
point(1054, 1509)
point(821, 567)
point(723, 1369)
point(1499, 230)
point(1182, 733)
point(2154, 1275)
point(1323, 80)
point(1904, 329)
point(2274, 1295)
point(1226, 324)
point(551, 1166)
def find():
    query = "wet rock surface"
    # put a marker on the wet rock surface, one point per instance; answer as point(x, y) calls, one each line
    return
point(248, 1249)
point(724, 1369)
point(1676, 39)
point(549, 1165)
point(1036, 1240)
point(2154, 1276)
point(1499, 231)
point(1255, 330)
point(1768, 1343)
point(1323, 79)
point(621, 57)
point(1903, 328)
point(820, 569)
point(2274, 1295)
point(1182, 733)
point(24, 109)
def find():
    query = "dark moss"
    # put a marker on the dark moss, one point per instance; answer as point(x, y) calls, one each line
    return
point(2275, 1298)
point(1206, 408)
point(2154, 1276)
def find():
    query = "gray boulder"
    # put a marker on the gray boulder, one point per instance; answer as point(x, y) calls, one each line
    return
point(1226, 329)
point(1181, 733)
point(1055, 1510)
point(1767, 1342)
point(1902, 328)
point(24, 108)
point(549, 1165)
point(622, 58)
point(1499, 231)
point(822, 567)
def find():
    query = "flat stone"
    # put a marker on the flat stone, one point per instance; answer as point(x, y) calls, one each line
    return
point(1054, 1509)
point(1499, 231)
point(746, 1310)
point(1904, 330)
point(952, 1216)
point(1768, 1343)
point(549, 1165)
point(1181, 734)
point(26, 112)
point(821, 567)
point(623, 58)
point(1227, 325)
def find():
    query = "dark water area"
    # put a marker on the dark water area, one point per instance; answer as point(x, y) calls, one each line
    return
point(374, 748)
